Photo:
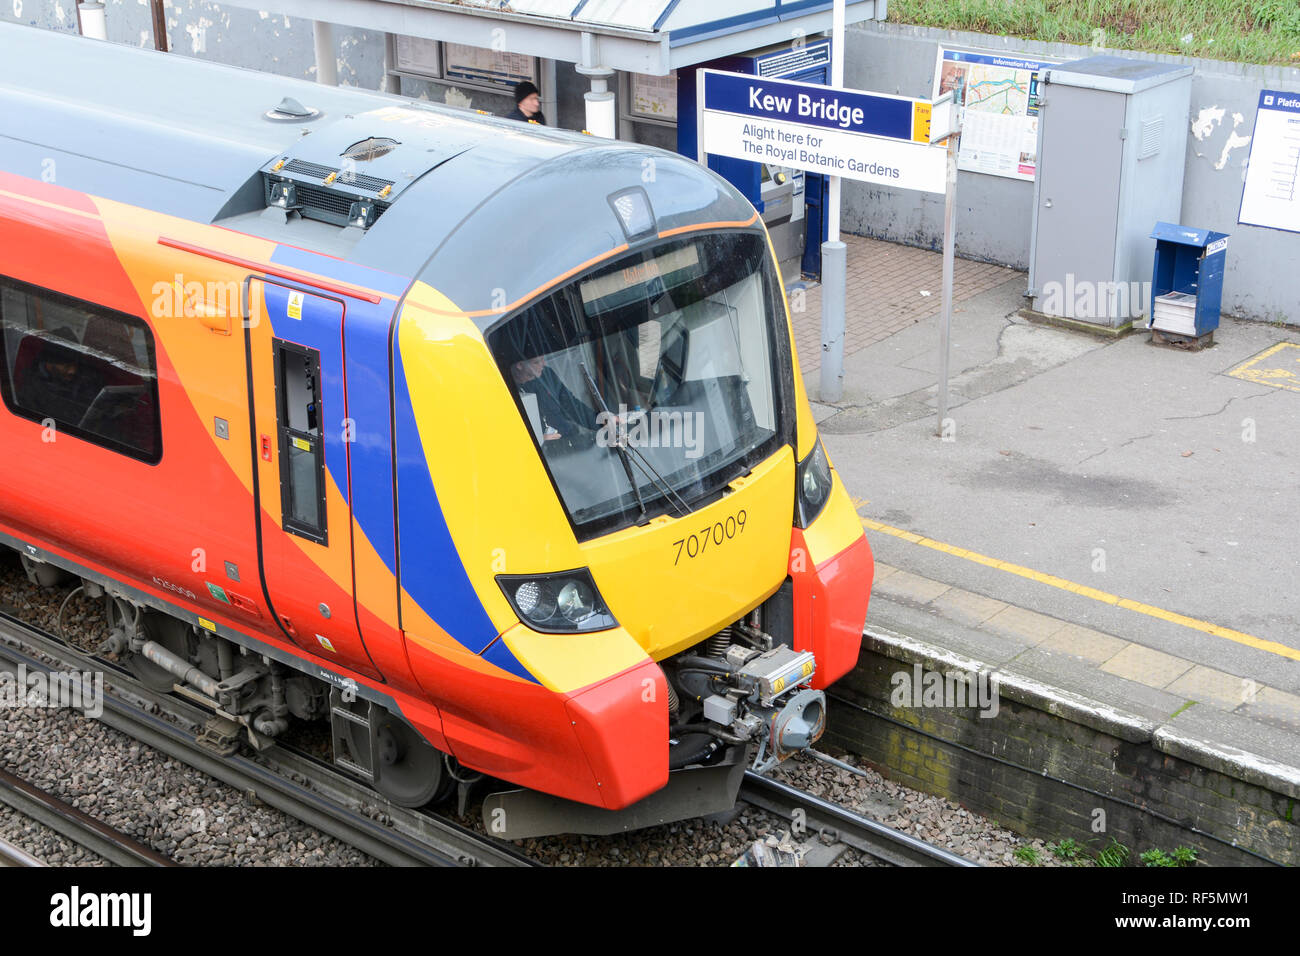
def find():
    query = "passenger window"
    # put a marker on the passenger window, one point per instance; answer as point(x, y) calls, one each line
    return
point(302, 456)
point(90, 371)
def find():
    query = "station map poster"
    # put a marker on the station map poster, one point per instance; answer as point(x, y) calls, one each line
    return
point(488, 67)
point(999, 99)
point(1271, 194)
point(418, 56)
point(655, 97)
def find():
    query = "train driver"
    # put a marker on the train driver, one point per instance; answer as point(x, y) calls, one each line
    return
point(563, 414)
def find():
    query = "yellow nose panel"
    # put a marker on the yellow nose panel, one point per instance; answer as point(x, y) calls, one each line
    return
point(675, 581)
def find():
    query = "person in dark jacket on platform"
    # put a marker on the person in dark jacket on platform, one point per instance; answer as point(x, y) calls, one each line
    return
point(528, 104)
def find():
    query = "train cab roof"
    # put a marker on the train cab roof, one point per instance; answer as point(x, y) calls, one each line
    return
point(452, 196)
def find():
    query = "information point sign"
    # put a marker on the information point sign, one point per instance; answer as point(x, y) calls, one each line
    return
point(1270, 196)
point(998, 96)
point(869, 137)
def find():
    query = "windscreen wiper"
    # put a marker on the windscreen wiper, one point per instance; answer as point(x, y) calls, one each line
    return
point(642, 462)
point(623, 456)
point(660, 482)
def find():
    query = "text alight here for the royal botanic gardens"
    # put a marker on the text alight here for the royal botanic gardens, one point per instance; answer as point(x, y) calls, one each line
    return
point(864, 136)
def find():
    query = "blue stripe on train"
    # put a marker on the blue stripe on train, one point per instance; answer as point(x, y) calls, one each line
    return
point(432, 572)
point(503, 657)
point(366, 332)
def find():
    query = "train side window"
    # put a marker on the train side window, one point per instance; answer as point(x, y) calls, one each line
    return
point(302, 454)
point(89, 370)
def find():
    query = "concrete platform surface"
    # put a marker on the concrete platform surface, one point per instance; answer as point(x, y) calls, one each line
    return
point(1116, 516)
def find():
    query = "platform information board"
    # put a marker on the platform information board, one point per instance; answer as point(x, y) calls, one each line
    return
point(870, 137)
point(999, 99)
point(1271, 194)
point(654, 97)
point(488, 67)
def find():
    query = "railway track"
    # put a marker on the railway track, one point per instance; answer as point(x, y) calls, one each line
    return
point(294, 783)
point(313, 791)
point(854, 830)
point(79, 827)
point(13, 856)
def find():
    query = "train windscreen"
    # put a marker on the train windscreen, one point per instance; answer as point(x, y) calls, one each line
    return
point(651, 383)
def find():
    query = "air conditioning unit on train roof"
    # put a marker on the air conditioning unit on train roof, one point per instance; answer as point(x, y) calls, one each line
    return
point(350, 171)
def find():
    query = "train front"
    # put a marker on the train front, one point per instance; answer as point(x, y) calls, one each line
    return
point(680, 562)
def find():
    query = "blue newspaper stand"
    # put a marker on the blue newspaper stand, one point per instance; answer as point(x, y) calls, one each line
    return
point(1187, 281)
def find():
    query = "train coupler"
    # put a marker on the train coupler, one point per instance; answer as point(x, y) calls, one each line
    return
point(761, 696)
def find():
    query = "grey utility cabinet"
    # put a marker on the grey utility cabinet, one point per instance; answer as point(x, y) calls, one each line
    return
point(1112, 146)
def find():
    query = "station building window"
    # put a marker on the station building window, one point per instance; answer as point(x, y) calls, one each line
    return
point(89, 370)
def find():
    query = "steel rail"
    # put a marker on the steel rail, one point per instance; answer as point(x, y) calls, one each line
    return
point(861, 833)
point(11, 855)
point(294, 784)
point(77, 825)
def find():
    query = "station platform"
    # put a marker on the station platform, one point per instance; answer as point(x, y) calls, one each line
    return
point(1112, 519)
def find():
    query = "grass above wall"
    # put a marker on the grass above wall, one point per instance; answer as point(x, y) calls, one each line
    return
point(1250, 31)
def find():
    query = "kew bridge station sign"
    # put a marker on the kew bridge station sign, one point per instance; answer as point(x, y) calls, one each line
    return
point(844, 134)
point(871, 137)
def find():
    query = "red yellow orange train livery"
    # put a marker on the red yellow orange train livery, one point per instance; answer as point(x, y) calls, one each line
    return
point(483, 443)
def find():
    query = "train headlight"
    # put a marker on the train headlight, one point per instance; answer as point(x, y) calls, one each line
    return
point(563, 603)
point(814, 485)
point(532, 602)
point(575, 601)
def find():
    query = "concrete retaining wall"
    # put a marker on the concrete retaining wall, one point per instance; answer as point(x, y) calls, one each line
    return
point(1051, 766)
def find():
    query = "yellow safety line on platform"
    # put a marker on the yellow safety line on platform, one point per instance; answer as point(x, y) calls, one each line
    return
point(1271, 647)
point(1277, 377)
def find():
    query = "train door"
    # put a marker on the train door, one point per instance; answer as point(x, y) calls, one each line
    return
point(302, 436)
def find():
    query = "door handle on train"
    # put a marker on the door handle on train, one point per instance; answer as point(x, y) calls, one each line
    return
point(288, 625)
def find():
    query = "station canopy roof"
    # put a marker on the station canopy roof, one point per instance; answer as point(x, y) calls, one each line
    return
point(639, 36)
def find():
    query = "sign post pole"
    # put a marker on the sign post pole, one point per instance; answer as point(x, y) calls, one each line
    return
point(945, 321)
point(835, 279)
point(834, 252)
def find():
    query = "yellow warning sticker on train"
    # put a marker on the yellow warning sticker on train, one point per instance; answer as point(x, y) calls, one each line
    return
point(295, 305)
point(301, 444)
point(206, 624)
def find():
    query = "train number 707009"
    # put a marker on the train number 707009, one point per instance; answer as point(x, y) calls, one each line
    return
point(696, 544)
